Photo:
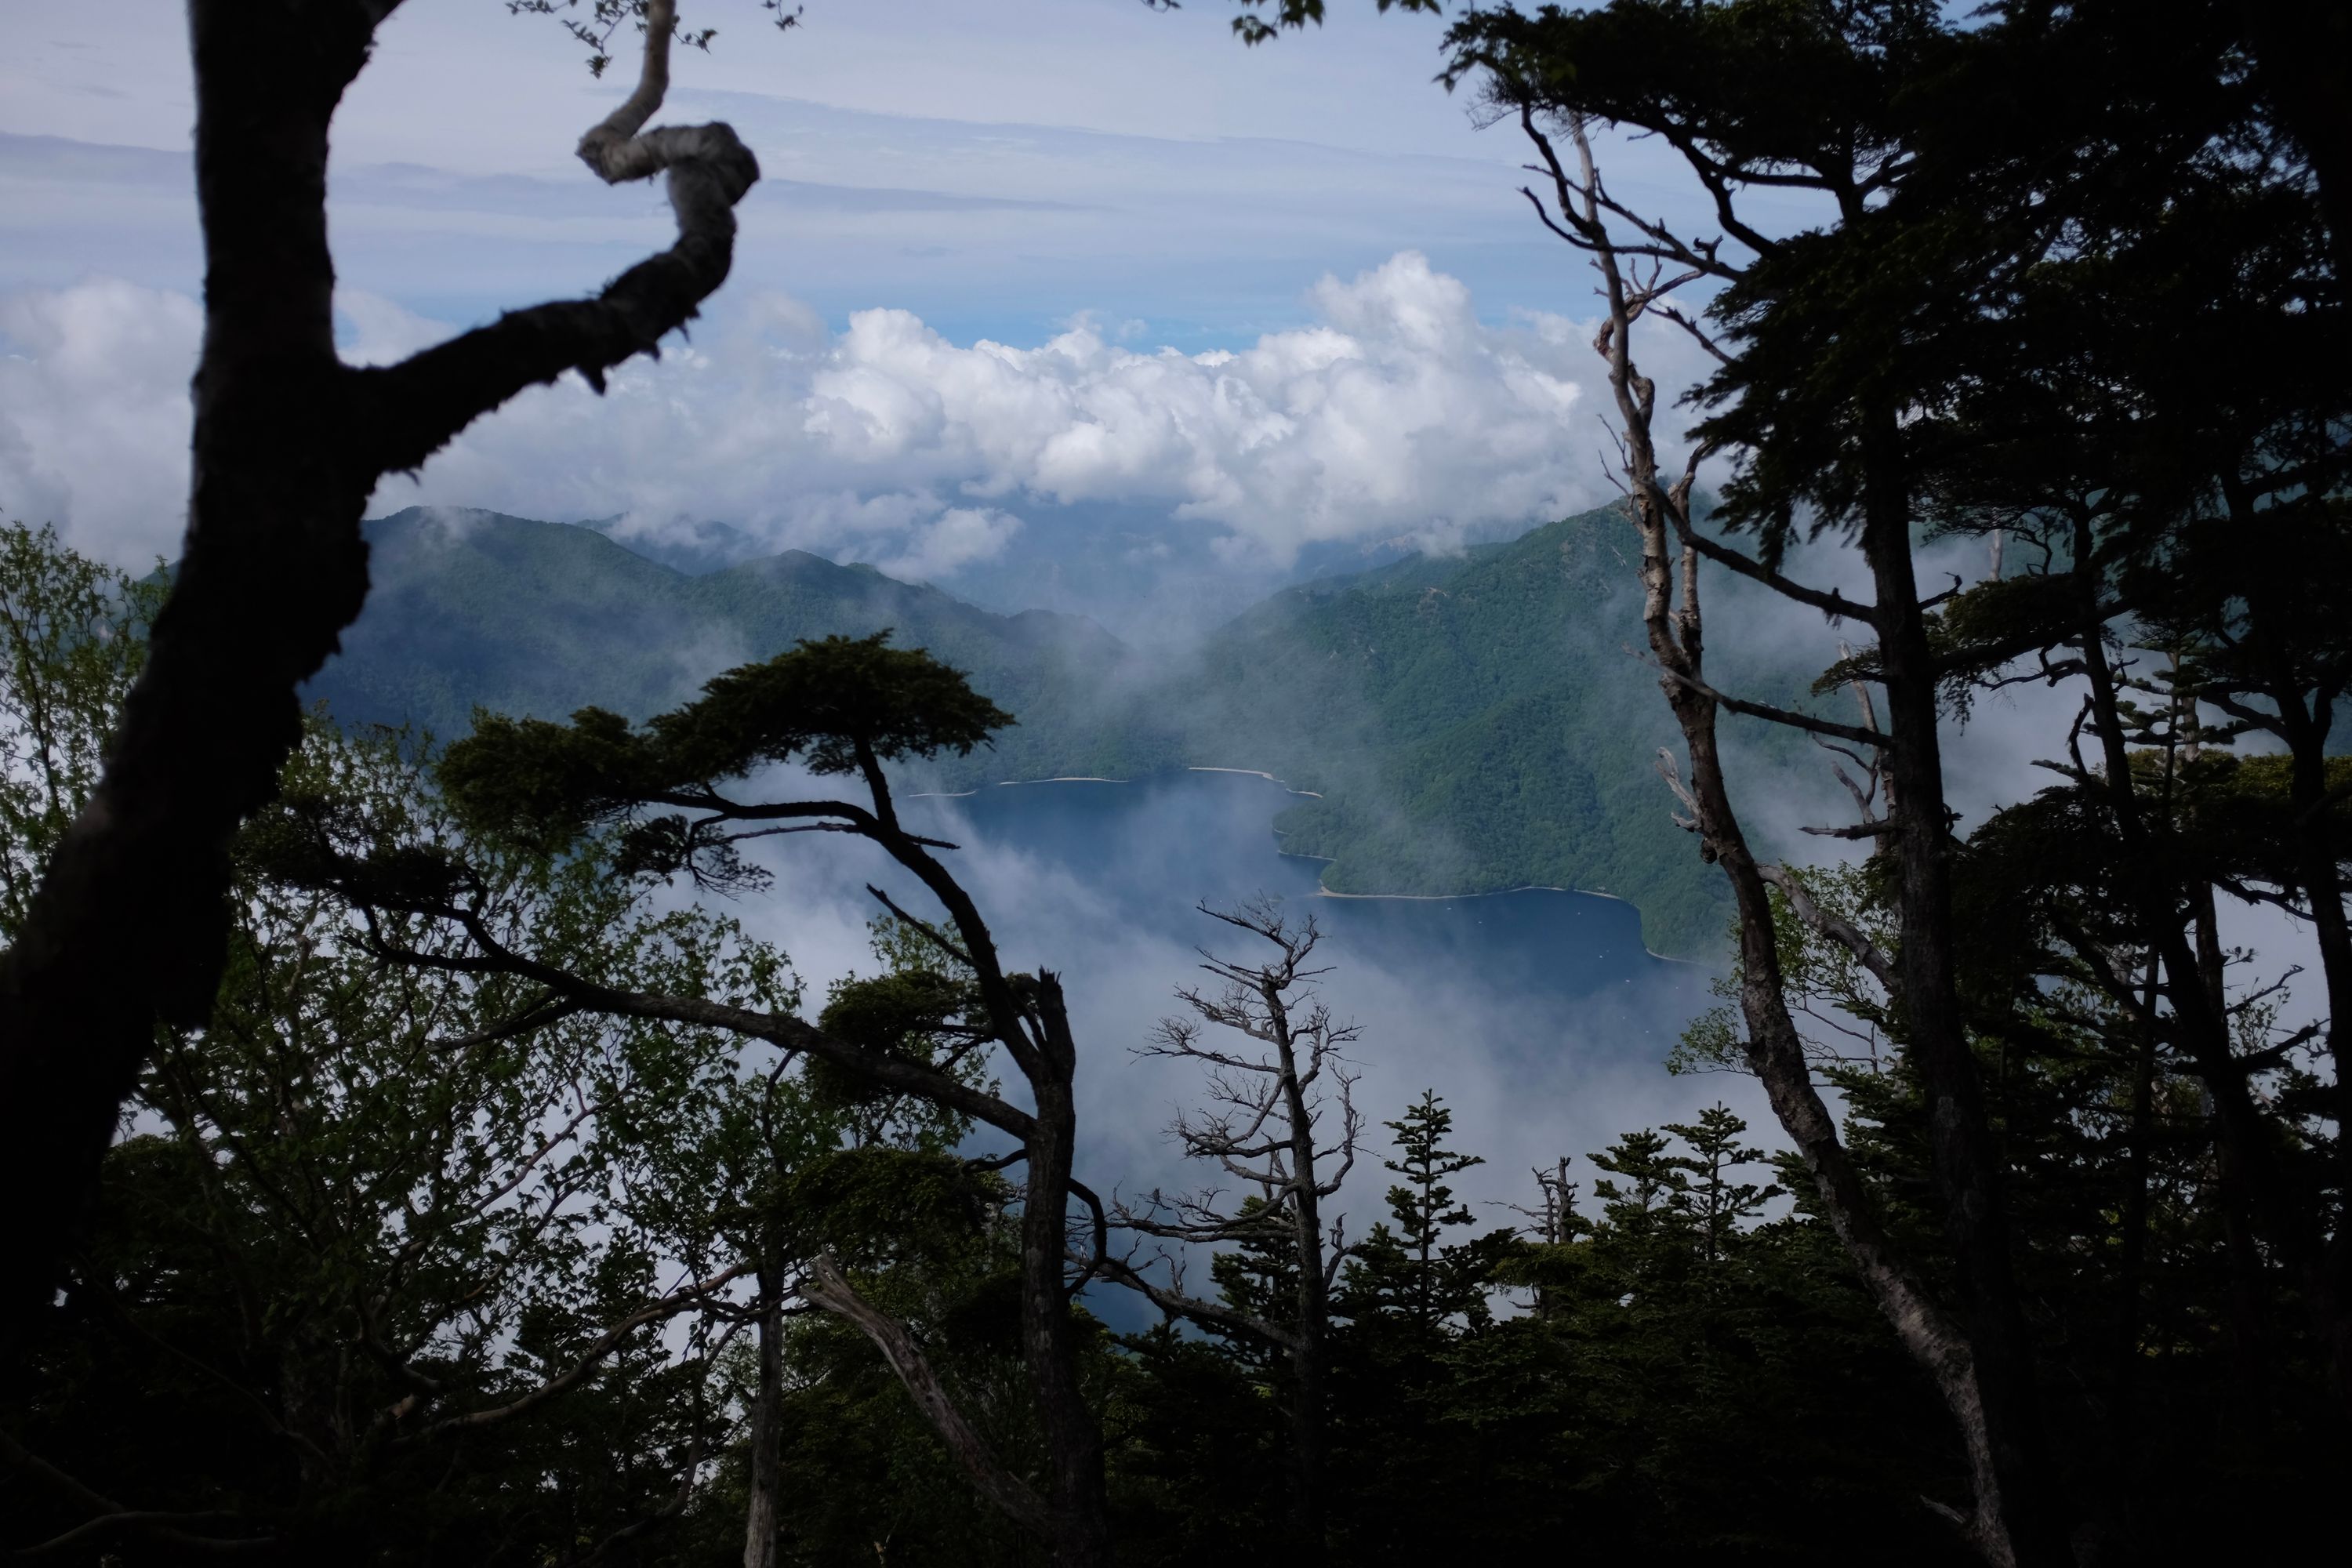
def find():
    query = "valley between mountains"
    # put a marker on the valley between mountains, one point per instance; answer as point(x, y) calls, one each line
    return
point(1467, 724)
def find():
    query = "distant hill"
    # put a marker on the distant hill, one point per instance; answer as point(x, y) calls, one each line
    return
point(1478, 723)
point(477, 609)
point(1471, 723)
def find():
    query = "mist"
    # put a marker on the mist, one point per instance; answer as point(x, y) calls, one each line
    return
point(1544, 1026)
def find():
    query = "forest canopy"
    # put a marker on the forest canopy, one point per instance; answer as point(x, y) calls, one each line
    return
point(417, 1157)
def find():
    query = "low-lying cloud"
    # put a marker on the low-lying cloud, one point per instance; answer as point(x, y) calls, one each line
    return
point(94, 415)
point(1397, 412)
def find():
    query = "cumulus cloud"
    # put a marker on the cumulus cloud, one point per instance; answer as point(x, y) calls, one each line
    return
point(1396, 413)
point(961, 535)
point(94, 414)
point(1399, 408)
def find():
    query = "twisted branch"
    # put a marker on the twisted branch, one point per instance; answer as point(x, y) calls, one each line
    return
point(830, 1289)
point(420, 403)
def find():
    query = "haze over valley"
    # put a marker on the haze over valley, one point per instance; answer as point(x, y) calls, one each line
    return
point(1098, 784)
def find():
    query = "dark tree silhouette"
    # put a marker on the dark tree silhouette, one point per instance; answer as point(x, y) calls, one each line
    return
point(1261, 1129)
point(129, 925)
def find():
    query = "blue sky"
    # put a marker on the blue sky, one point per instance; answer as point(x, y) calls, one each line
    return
point(993, 168)
point(1006, 259)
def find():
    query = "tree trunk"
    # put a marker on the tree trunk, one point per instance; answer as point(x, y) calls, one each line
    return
point(2132, 1268)
point(1309, 1444)
point(1776, 1054)
point(1965, 1160)
point(129, 924)
point(759, 1519)
point(2246, 1175)
point(1075, 1489)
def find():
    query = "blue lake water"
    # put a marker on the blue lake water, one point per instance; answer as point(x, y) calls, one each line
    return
point(1551, 963)
point(1538, 1016)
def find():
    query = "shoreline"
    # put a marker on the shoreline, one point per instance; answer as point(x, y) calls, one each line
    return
point(1320, 890)
point(1323, 892)
point(1255, 774)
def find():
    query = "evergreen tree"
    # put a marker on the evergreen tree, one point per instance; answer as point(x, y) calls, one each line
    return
point(1410, 1269)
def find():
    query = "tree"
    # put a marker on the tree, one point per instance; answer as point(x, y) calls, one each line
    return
point(129, 922)
point(1940, 338)
point(916, 1007)
point(1262, 1130)
point(1404, 1269)
point(372, 1215)
point(1817, 118)
point(666, 799)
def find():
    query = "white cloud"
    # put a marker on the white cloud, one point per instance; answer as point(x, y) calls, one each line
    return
point(94, 414)
point(373, 330)
point(961, 535)
point(1397, 412)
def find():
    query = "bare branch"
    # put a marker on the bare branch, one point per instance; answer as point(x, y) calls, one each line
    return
point(1787, 716)
point(414, 408)
point(1837, 927)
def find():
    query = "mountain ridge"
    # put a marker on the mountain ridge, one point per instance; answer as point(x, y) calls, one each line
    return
point(1463, 724)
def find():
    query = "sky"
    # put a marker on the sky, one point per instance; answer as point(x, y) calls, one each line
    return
point(1014, 270)
point(1005, 261)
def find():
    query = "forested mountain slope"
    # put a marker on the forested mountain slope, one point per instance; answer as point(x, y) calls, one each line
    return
point(1471, 723)
point(476, 608)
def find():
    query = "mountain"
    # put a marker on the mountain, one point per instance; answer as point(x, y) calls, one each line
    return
point(1475, 725)
point(1467, 723)
point(477, 608)
point(693, 548)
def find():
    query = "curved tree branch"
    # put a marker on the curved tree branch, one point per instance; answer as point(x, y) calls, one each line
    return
point(427, 399)
point(129, 925)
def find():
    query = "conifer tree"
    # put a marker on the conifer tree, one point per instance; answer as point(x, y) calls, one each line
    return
point(1405, 1269)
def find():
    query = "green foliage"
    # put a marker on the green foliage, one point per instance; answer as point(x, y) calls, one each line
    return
point(829, 704)
point(372, 1204)
point(1471, 724)
point(72, 636)
point(909, 1012)
point(1403, 1266)
point(832, 705)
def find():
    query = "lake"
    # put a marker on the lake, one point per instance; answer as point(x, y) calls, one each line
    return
point(1157, 847)
point(1538, 1016)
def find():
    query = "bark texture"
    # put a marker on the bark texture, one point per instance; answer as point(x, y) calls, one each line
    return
point(129, 925)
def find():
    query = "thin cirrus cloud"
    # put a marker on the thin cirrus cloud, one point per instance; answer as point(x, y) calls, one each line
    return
point(895, 370)
point(1396, 410)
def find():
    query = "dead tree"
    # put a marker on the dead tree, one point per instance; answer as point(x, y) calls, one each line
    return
point(1552, 1222)
point(1260, 1129)
point(129, 924)
point(1976, 1366)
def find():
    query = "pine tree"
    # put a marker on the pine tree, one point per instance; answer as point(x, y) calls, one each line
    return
point(1714, 1203)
